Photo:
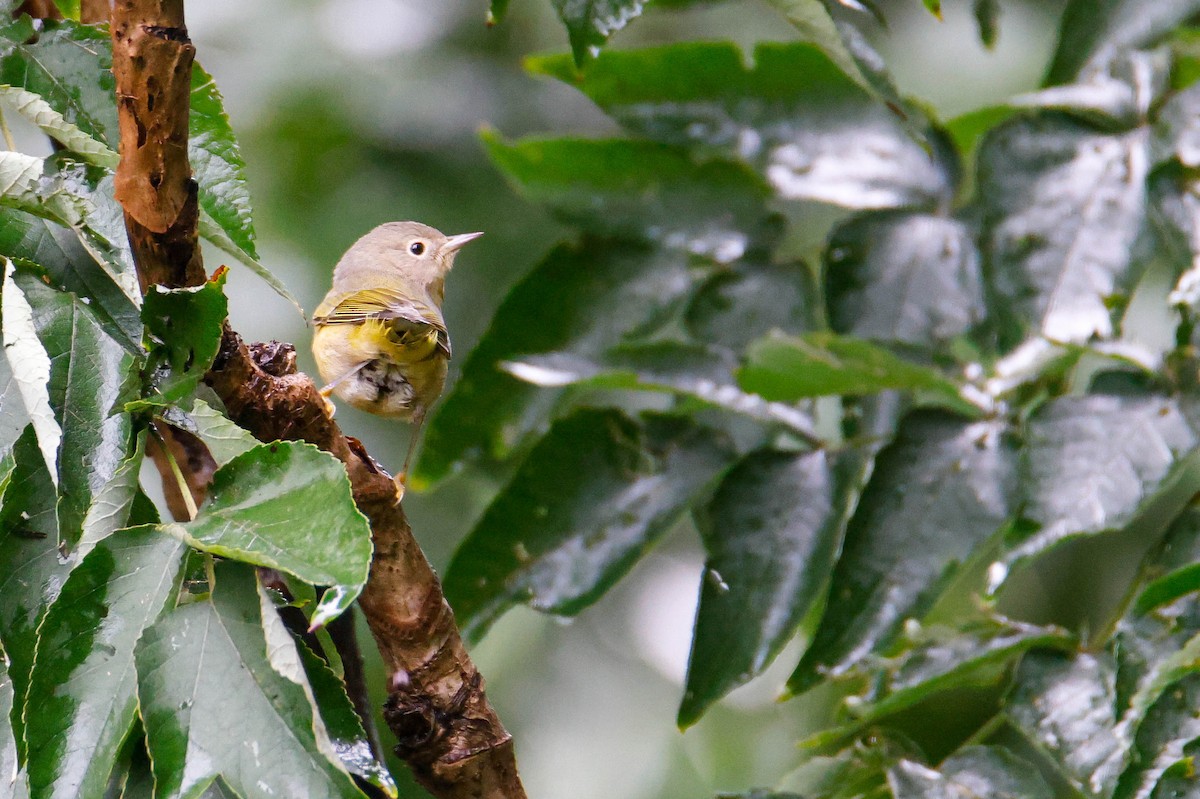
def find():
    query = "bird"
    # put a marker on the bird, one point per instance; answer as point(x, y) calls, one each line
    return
point(379, 339)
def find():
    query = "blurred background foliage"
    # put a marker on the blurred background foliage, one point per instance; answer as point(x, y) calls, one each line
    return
point(351, 113)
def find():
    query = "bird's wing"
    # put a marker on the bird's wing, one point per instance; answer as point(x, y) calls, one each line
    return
point(408, 319)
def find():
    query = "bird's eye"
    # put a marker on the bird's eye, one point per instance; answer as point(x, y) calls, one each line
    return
point(417, 248)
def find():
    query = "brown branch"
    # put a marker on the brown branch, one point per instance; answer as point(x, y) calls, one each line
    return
point(93, 12)
point(447, 730)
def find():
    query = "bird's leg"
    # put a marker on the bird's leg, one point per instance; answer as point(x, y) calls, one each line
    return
point(418, 419)
point(328, 388)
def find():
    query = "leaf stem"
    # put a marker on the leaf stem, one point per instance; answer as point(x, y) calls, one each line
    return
point(9, 142)
point(180, 481)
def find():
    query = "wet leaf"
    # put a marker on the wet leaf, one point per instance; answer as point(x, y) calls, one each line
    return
point(1118, 96)
point(795, 117)
point(30, 366)
point(1099, 463)
point(8, 737)
point(223, 693)
point(590, 22)
point(641, 191)
point(184, 327)
point(13, 418)
point(594, 494)
point(69, 66)
point(287, 506)
point(976, 771)
point(1062, 207)
point(690, 370)
point(749, 299)
point(489, 412)
point(788, 368)
point(217, 162)
point(51, 122)
point(772, 532)
point(907, 279)
point(31, 571)
point(1093, 33)
point(940, 491)
point(1177, 129)
point(83, 682)
point(91, 377)
point(1068, 707)
point(343, 725)
point(224, 439)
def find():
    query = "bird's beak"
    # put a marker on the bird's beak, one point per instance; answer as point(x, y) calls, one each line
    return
point(455, 243)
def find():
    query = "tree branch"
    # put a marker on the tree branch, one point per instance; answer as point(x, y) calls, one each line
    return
point(447, 730)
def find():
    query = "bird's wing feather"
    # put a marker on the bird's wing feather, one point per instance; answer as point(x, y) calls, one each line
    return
point(405, 315)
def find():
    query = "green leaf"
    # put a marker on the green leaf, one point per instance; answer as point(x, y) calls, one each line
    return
point(1067, 706)
point(748, 299)
point(287, 506)
point(772, 532)
point(1177, 130)
point(1117, 97)
point(1093, 33)
point(641, 191)
point(976, 771)
point(223, 693)
point(794, 117)
point(690, 370)
point(217, 162)
point(342, 723)
point(113, 505)
point(13, 418)
point(1062, 207)
point(554, 308)
point(91, 377)
point(224, 439)
point(590, 22)
point(30, 366)
point(1176, 571)
point(595, 493)
point(987, 17)
point(941, 659)
point(8, 736)
point(82, 689)
point(847, 47)
point(54, 124)
point(32, 571)
point(788, 368)
point(901, 278)
point(934, 7)
point(184, 326)
point(85, 271)
point(940, 491)
point(1098, 463)
point(69, 66)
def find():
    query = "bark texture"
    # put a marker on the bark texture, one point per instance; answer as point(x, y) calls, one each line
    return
point(445, 727)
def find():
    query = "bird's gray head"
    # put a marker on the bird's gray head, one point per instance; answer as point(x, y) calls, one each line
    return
point(420, 254)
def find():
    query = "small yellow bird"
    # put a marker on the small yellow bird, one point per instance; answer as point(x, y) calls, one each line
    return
point(380, 341)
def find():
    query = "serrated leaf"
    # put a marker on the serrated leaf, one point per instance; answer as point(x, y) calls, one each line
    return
point(343, 724)
point(1062, 207)
point(184, 326)
point(794, 116)
point(32, 571)
point(13, 418)
point(941, 490)
point(91, 377)
point(909, 279)
point(69, 66)
point(8, 737)
point(691, 370)
point(1096, 463)
point(589, 23)
point(113, 504)
point(595, 493)
point(82, 689)
point(772, 532)
point(224, 439)
point(287, 506)
point(641, 191)
point(489, 412)
point(39, 112)
point(789, 368)
point(1092, 33)
point(1118, 95)
point(222, 693)
point(30, 365)
point(217, 162)
point(976, 771)
point(1067, 706)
